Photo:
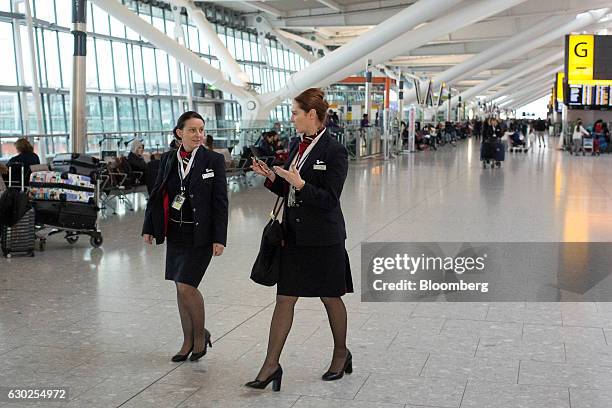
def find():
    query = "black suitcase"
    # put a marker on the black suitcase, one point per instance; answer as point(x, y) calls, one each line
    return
point(66, 214)
point(76, 163)
point(500, 152)
point(20, 237)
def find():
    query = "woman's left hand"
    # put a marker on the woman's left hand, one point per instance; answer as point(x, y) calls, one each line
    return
point(218, 249)
point(292, 176)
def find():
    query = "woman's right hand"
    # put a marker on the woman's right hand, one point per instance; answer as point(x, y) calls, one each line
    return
point(262, 169)
point(148, 238)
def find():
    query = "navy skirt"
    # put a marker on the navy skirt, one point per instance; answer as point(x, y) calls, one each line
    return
point(309, 271)
point(185, 263)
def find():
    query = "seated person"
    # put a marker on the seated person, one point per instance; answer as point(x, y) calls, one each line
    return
point(277, 143)
point(515, 139)
point(265, 144)
point(26, 156)
point(210, 142)
point(135, 157)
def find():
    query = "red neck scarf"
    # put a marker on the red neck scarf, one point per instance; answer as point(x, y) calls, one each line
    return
point(185, 156)
point(306, 141)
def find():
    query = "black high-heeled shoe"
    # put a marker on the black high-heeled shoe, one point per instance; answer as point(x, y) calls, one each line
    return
point(275, 378)
point(177, 358)
point(207, 343)
point(347, 368)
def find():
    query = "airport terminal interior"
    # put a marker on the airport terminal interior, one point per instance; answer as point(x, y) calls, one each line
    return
point(463, 121)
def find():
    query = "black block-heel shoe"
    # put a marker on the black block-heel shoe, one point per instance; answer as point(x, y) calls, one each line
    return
point(348, 368)
point(275, 379)
point(207, 343)
point(177, 358)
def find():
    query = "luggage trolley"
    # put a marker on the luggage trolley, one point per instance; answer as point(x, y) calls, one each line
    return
point(492, 152)
point(66, 203)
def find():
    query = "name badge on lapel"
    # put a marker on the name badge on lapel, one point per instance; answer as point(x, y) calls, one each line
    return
point(208, 174)
point(319, 165)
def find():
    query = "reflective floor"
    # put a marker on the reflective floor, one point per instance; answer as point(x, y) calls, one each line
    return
point(104, 322)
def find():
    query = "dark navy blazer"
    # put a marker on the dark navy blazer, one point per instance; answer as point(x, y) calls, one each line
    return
point(317, 217)
point(208, 195)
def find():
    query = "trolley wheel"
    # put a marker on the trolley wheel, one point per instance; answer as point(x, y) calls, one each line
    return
point(8, 255)
point(72, 239)
point(484, 165)
point(42, 244)
point(96, 241)
point(498, 164)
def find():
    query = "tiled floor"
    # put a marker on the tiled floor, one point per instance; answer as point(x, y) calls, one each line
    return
point(104, 322)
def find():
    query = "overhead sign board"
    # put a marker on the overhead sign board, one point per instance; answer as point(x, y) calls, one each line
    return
point(559, 86)
point(588, 59)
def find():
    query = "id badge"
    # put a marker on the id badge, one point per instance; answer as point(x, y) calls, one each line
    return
point(178, 201)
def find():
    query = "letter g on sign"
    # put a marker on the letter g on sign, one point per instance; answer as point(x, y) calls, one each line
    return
point(580, 52)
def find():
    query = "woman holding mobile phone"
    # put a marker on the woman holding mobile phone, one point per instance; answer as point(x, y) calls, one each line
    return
point(314, 261)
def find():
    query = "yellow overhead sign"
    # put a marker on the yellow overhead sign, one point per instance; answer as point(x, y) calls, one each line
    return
point(580, 57)
point(560, 77)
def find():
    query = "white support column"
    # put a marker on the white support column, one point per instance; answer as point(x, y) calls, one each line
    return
point(517, 98)
point(410, 40)
point(528, 100)
point(21, 72)
point(298, 38)
point(228, 63)
point(517, 46)
point(42, 148)
point(527, 91)
point(513, 73)
point(533, 79)
point(263, 26)
point(357, 49)
point(182, 70)
point(250, 102)
point(517, 52)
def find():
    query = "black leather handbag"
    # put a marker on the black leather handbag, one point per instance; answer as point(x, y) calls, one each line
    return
point(266, 268)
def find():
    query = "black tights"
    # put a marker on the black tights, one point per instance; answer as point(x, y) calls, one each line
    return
point(191, 310)
point(282, 319)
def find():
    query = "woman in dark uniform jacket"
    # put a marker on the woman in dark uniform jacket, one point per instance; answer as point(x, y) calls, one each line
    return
point(314, 262)
point(188, 207)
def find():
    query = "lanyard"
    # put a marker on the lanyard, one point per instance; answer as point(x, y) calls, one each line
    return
point(183, 173)
point(299, 160)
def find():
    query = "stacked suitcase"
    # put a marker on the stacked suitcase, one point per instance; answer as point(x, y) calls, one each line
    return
point(65, 199)
point(57, 186)
point(19, 238)
point(76, 163)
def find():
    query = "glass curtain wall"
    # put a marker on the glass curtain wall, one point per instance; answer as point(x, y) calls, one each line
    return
point(131, 85)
